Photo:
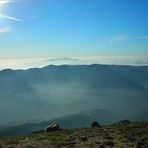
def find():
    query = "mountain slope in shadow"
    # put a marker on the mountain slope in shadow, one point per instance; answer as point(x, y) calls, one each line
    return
point(54, 91)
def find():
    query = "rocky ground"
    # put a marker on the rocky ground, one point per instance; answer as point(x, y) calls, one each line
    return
point(120, 135)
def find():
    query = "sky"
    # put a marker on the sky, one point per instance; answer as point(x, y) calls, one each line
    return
point(73, 31)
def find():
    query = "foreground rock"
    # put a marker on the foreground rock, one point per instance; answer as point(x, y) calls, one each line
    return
point(52, 127)
point(95, 124)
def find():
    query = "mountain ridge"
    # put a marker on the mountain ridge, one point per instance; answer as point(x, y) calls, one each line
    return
point(53, 91)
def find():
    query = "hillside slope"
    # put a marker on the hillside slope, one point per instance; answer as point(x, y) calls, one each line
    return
point(54, 91)
point(78, 120)
point(120, 135)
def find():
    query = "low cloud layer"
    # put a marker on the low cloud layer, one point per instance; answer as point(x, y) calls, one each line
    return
point(25, 63)
point(62, 59)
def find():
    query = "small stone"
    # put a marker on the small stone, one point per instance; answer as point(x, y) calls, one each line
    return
point(84, 138)
point(108, 137)
point(95, 124)
point(98, 143)
point(29, 145)
point(109, 143)
point(101, 146)
point(72, 142)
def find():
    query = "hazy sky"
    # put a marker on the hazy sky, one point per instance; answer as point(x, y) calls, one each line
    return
point(73, 28)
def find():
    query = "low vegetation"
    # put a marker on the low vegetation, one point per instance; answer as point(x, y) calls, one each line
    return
point(119, 135)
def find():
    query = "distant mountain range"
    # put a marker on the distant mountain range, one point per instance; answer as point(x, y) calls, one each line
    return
point(112, 91)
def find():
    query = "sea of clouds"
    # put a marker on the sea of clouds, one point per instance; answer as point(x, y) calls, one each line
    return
point(26, 63)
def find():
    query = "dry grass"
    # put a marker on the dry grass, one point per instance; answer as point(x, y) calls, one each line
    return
point(130, 135)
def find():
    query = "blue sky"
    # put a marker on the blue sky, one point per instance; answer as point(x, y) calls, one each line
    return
point(73, 28)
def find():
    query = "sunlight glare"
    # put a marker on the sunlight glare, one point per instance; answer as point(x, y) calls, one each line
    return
point(4, 2)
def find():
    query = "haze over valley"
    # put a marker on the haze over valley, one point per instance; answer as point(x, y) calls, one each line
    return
point(43, 94)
